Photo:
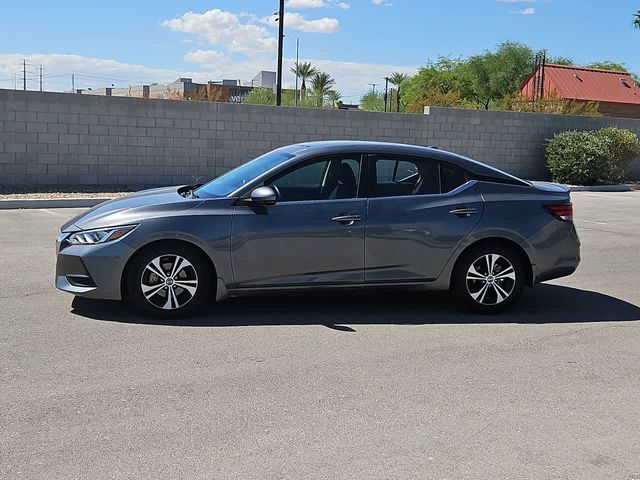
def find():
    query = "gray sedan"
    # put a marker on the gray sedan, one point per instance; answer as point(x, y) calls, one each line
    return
point(325, 215)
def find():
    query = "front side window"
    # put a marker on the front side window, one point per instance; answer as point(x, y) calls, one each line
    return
point(334, 177)
point(401, 176)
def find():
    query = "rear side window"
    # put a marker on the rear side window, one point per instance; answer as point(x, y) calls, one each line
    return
point(402, 176)
point(451, 177)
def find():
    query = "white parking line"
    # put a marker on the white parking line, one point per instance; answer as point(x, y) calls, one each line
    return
point(51, 212)
point(593, 221)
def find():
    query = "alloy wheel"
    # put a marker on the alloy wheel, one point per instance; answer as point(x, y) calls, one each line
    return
point(169, 282)
point(491, 279)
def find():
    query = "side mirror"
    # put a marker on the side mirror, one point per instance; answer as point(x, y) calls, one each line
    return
point(264, 196)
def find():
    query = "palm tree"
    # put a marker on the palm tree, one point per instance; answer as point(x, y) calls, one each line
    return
point(636, 20)
point(396, 79)
point(333, 96)
point(321, 84)
point(304, 71)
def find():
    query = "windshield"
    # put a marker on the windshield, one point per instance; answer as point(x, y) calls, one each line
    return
point(236, 178)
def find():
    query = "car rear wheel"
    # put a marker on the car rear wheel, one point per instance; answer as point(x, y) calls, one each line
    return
point(168, 280)
point(488, 280)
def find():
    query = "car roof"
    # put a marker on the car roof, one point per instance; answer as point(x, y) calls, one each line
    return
point(308, 149)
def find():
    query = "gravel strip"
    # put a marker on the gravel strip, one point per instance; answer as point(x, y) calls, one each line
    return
point(33, 192)
point(45, 196)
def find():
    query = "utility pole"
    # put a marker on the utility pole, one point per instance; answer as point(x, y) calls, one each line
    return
point(386, 91)
point(73, 83)
point(280, 42)
point(373, 87)
point(297, 58)
point(40, 77)
point(24, 74)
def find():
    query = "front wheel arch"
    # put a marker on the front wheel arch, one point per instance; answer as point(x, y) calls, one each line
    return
point(166, 243)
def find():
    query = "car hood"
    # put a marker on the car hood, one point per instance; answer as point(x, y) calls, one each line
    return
point(133, 208)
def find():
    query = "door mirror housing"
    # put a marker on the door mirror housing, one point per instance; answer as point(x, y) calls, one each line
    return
point(264, 196)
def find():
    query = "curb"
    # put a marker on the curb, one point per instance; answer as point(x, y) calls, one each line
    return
point(50, 203)
point(601, 188)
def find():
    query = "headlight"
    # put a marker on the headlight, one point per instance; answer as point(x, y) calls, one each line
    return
point(103, 235)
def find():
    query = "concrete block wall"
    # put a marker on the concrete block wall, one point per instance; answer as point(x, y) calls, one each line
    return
point(62, 139)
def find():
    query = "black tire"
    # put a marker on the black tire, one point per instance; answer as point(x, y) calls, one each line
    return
point(194, 271)
point(486, 296)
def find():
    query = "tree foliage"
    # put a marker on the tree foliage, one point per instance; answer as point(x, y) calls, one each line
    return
point(443, 83)
point(608, 65)
point(495, 75)
point(372, 102)
point(480, 81)
point(304, 71)
point(321, 84)
point(260, 96)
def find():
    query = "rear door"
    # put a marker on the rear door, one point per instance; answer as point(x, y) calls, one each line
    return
point(419, 211)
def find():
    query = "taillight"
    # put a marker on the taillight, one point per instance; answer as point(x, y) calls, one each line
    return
point(562, 211)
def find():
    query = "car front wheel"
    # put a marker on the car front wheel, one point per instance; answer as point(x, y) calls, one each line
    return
point(168, 280)
point(488, 280)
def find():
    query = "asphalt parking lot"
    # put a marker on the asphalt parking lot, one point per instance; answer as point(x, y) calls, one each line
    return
point(339, 387)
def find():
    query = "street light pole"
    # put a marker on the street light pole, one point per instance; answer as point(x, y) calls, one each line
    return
point(297, 58)
point(386, 91)
point(280, 42)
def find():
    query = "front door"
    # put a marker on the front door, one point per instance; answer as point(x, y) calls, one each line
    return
point(419, 212)
point(313, 235)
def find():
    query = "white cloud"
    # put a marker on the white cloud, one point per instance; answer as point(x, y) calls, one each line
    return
point(343, 5)
point(352, 78)
point(305, 4)
point(517, 1)
point(224, 29)
point(525, 11)
point(205, 57)
point(320, 25)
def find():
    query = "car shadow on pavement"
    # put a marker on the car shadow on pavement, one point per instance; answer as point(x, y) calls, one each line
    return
point(543, 304)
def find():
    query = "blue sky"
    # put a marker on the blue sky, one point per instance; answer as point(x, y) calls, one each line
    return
point(357, 41)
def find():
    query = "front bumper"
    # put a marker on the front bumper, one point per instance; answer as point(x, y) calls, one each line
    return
point(93, 271)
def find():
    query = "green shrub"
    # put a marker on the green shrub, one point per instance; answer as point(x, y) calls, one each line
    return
point(625, 147)
point(591, 158)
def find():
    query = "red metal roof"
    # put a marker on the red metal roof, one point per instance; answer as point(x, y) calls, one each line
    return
point(590, 84)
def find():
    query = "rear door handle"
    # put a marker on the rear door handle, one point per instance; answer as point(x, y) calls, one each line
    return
point(463, 212)
point(347, 219)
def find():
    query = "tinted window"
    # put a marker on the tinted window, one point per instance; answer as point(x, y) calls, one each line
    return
point(330, 178)
point(399, 176)
point(451, 177)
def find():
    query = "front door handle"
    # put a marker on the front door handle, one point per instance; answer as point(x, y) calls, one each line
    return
point(464, 211)
point(347, 219)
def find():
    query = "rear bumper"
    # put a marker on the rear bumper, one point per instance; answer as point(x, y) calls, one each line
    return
point(557, 251)
point(93, 271)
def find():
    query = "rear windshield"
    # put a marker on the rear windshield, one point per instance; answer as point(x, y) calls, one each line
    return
point(236, 178)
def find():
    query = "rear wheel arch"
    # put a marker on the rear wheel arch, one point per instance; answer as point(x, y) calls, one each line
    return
point(169, 242)
point(502, 242)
